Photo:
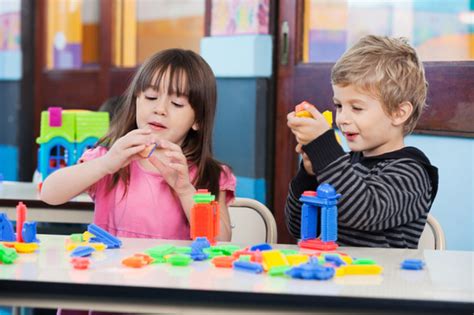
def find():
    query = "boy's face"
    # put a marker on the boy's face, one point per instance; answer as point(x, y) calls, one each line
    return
point(364, 123)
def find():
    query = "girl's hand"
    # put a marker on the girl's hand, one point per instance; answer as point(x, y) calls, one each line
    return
point(306, 162)
point(176, 170)
point(126, 149)
point(307, 129)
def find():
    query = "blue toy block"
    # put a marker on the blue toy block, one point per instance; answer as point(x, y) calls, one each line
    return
point(311, 271)
point(103, 236)
point(326, 199)
point(200, 242)
point(7, 234)
point(82, 251)
point(261, 247)
point(412, 264)
point(28, 232)
point(198, 255)
point(334, 259)
point(247, 266)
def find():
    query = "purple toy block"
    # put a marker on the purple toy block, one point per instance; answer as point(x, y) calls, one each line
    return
point(55, 116)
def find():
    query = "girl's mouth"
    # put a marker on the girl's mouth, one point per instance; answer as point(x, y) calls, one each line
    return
point(156, 126)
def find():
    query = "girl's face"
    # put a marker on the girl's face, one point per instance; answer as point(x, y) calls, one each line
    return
point(169, 117)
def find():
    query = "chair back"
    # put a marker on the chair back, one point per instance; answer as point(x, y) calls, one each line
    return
point(433, 235)
point(252, 222)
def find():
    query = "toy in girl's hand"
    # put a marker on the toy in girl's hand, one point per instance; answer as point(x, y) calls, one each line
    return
point(148, 151)
point(301, 112)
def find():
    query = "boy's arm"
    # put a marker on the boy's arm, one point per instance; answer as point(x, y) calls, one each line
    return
point(68, 182)
point(376, 199)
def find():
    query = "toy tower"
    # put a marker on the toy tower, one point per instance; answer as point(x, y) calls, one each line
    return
point(325, 198)
point(204, 216)
point(66, 134)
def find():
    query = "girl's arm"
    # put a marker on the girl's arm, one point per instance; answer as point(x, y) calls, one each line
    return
point(225, 232)
point(66, 183)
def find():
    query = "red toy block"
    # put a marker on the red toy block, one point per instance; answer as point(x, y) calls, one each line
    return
point(318, 245)
point(20, 219)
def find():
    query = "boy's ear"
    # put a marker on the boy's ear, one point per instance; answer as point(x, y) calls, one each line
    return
point(400, 116)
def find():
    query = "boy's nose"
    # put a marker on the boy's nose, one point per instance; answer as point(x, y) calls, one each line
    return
point(342, 117)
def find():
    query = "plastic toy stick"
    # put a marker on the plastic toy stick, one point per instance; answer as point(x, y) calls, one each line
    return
point(20, 219)
point(104, 236)
point(148, 151)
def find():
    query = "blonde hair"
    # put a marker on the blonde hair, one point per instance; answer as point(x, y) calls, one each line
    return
point(389, 69)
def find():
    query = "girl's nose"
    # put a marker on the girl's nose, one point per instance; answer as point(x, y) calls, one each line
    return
point(160, 106)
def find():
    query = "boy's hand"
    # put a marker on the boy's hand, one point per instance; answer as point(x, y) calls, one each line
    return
point(126, 149)
point(174, 167)
point(307, 129)
point(306, 162)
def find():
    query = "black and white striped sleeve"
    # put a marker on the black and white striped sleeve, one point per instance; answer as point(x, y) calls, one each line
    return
point(388, 195)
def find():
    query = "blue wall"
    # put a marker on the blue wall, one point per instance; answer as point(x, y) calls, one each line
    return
point(10, 104)
point(454, 204)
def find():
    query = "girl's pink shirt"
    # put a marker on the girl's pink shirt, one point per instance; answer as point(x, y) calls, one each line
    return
point(150, 209)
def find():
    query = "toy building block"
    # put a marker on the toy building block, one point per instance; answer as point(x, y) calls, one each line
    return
point(28, 232)
point(82, 251)
point(179, 260)
point(7, 255)
point(7, 234)
point(204, 216)
point(25, 248)
point(412, 264)
point(324, 198)
point(148, 151)
point(301, 112)
point(360, 270)
point(273, 258)
point(261, 247)
point(80, 263)
point(311, 271)
point(20, 219)
point(102, 236)
point(247, 266)
point(223, 261)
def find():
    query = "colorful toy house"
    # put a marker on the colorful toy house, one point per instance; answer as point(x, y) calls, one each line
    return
point(324, 198)
point(66, 134)
point(204, 216)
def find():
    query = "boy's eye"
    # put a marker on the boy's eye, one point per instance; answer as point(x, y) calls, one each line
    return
point(337, 106)
point(356, 108)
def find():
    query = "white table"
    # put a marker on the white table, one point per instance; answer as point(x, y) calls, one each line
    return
point(78, 210)
point(46, 279)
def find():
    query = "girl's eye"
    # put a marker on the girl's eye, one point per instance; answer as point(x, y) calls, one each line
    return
point(177, 104)
point(151, 98)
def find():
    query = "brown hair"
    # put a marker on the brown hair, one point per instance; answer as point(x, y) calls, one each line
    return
point(389, 69)
point(179, 66)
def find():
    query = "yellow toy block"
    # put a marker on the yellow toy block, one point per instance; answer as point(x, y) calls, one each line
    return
point(273, 258)
point(297, 259)
point(25, 248)
point(96, 246)
point(360, 270)
point(303, 113)
point(86, 236)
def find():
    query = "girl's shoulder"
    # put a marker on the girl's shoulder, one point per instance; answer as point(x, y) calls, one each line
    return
point(94, 153)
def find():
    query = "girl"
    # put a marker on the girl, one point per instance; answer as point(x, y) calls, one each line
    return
point(171, 102)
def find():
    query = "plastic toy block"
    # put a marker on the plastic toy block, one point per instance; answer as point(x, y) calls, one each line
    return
point(103, 236)
point(296, 259)
point(289, 251)
point(198, 255)
point(334, 259)
point(159, 252)
point(255, 256)
point(76, 238)
point(300, 110)
point(82, 251)
point(80, 263)
point(148, 151)
point(273, 258)
point(261, 247)
point(245, 258)
point(26, 248)
point(318, 245)
point(361, 270)
point(412, 264)
point(278, 271)
point(363, 261)
point(182, 250)
point(97, 246)
point(86, 236)
point(201, 242)
point(179, 260)
point(223, 261)
point(20, 219)
point(205, 220)
point(247, 266)
point(55, 116)
point(137, 261)
point(229, 248)
point(311, 272)
point(7, 255)
point(203, 196)
point(28, 232)
point(7, 234)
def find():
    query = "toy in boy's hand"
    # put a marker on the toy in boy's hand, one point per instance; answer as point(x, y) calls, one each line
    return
point(301, 112)
point(148, 151)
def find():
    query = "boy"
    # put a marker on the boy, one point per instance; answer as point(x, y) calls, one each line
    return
point(387, 189)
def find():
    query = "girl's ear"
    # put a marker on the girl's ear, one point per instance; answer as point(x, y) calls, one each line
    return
point(401, 115)
point(195, 126)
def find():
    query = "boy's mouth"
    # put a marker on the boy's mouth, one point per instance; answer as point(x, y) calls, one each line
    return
point(350, 136)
